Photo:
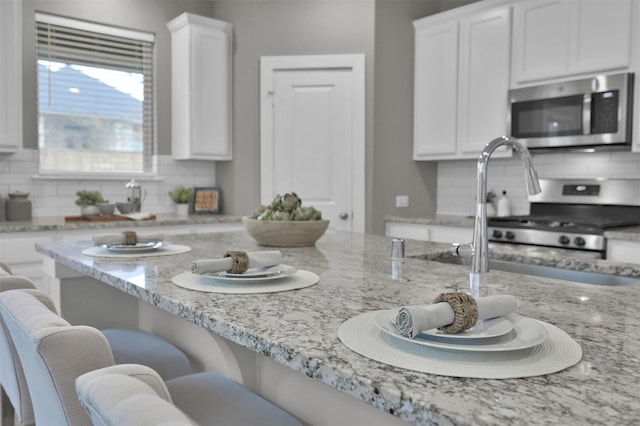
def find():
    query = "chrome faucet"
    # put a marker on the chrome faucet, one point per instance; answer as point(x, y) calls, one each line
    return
point(478, 250)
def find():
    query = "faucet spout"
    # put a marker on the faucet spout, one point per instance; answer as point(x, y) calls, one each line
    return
point(480, 244)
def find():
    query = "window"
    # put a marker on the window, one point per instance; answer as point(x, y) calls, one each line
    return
point(95, 106)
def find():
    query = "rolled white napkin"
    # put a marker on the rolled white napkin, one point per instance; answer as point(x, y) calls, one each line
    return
point(257, 259)
point(119, 238)
point(412, 320)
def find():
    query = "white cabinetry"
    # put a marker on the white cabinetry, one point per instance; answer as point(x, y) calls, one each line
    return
point(17, 250)
point(461, 81)
point(436, 233)
point(200, 88)
point(623, 251)
point(10, 75)
point(559, 38)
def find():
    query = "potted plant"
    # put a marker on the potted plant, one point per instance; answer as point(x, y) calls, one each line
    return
point(182, 197)
point(87, 201)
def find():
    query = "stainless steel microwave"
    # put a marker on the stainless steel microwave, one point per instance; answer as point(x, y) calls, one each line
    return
point(588, 113)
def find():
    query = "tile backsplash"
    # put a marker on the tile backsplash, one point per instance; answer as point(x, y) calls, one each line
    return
point(457, 179)
point(56, 197)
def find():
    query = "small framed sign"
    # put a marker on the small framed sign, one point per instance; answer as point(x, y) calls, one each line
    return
point(206, 201)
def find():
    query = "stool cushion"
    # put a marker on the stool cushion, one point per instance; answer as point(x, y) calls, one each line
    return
point(140, 347)
point(210, 398)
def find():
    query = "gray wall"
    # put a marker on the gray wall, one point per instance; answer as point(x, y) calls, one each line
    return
point(381, 29)
point(283, 27)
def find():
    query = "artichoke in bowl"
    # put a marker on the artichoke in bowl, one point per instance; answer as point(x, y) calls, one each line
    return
point(286, 207)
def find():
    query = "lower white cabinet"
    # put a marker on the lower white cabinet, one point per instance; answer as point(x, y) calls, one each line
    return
point(623, 251)
point(436, 233)
point(17, 250)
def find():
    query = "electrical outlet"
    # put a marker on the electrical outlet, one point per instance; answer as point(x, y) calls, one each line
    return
point(402, 201)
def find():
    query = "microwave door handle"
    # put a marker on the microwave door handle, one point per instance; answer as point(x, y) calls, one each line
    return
point(586, 114)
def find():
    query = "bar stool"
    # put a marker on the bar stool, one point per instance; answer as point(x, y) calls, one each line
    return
point(54, 354)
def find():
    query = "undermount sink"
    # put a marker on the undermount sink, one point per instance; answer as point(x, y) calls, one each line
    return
point(549, 272)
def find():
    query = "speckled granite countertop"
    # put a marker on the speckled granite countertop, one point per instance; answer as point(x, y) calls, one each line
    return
point(58, 223)
point(444, 220)
point(628, 234)
point(298, 328)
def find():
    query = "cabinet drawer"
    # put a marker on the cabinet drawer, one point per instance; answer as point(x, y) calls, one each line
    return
point(20, 249)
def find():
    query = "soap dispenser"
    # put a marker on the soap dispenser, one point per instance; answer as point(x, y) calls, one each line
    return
point(504, 206)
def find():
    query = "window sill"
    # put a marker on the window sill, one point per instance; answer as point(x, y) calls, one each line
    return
point(99, 177)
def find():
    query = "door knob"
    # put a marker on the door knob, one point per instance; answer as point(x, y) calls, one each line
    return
point(343, 215)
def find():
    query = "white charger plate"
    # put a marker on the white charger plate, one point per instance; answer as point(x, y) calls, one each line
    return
point(526, 334)
point(255, 275)
point(138, 248)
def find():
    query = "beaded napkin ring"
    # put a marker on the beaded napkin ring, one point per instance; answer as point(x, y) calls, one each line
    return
point(130, 238)
point(240, 261)
point(464, 308)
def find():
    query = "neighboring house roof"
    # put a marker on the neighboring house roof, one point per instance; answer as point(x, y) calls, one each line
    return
point(93, 96)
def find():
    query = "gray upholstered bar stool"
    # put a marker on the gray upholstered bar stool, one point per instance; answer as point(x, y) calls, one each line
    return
point(54, 354)
point(127, 345)
point(137, 396)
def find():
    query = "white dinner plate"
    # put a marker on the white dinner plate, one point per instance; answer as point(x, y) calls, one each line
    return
point(138, 248)
point(526, 333)
point(253, 276)
point(486, 329)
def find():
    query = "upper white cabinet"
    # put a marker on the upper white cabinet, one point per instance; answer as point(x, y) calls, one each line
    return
point(554, 39)
point(461, 81)
point(10, 75)
point(200, 88)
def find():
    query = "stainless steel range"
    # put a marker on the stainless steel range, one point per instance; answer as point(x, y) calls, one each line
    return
point(571, 216)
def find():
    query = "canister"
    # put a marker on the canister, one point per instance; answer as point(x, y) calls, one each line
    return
point(18, 210)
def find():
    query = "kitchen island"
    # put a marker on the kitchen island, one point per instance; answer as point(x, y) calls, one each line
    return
point(285, 345)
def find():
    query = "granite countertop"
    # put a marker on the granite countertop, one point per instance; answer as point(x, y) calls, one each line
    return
point(440, 220)
point(58, 223)
point(631, 233)
point(299, 328)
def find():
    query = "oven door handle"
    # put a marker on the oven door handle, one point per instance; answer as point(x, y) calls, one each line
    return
point(586, 114)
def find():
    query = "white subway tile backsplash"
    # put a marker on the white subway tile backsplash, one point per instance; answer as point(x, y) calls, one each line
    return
point(56, 197)
point(457, 179)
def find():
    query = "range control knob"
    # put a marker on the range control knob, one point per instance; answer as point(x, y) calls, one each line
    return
point(564, 240)
point(579, 241)
point(509, 235)
point(496, 233)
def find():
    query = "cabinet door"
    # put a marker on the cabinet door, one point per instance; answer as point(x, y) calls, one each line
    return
point(436, 82)
point(623, 251)
point(559, 38)
point(484, 80)
point(10, 75)
point(540, 40)
point(200, 88)
point(602, 35)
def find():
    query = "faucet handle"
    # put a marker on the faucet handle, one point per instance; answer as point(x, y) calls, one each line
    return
point(462, 250)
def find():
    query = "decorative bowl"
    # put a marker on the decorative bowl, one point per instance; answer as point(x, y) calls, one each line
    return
point(125, 208)
point(106, 209)
point(286, 233)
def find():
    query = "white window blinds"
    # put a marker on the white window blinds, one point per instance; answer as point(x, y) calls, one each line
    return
point(95, 105)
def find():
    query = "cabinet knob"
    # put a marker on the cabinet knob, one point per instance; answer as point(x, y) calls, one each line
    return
point(343, 215)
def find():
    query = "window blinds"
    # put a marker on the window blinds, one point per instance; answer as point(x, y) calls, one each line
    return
point(74, 42)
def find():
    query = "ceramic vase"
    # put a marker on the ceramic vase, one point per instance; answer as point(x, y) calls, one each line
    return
point(182, 211)
point(89, 210)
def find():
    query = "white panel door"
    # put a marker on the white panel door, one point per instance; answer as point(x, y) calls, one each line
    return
point(312, 140)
